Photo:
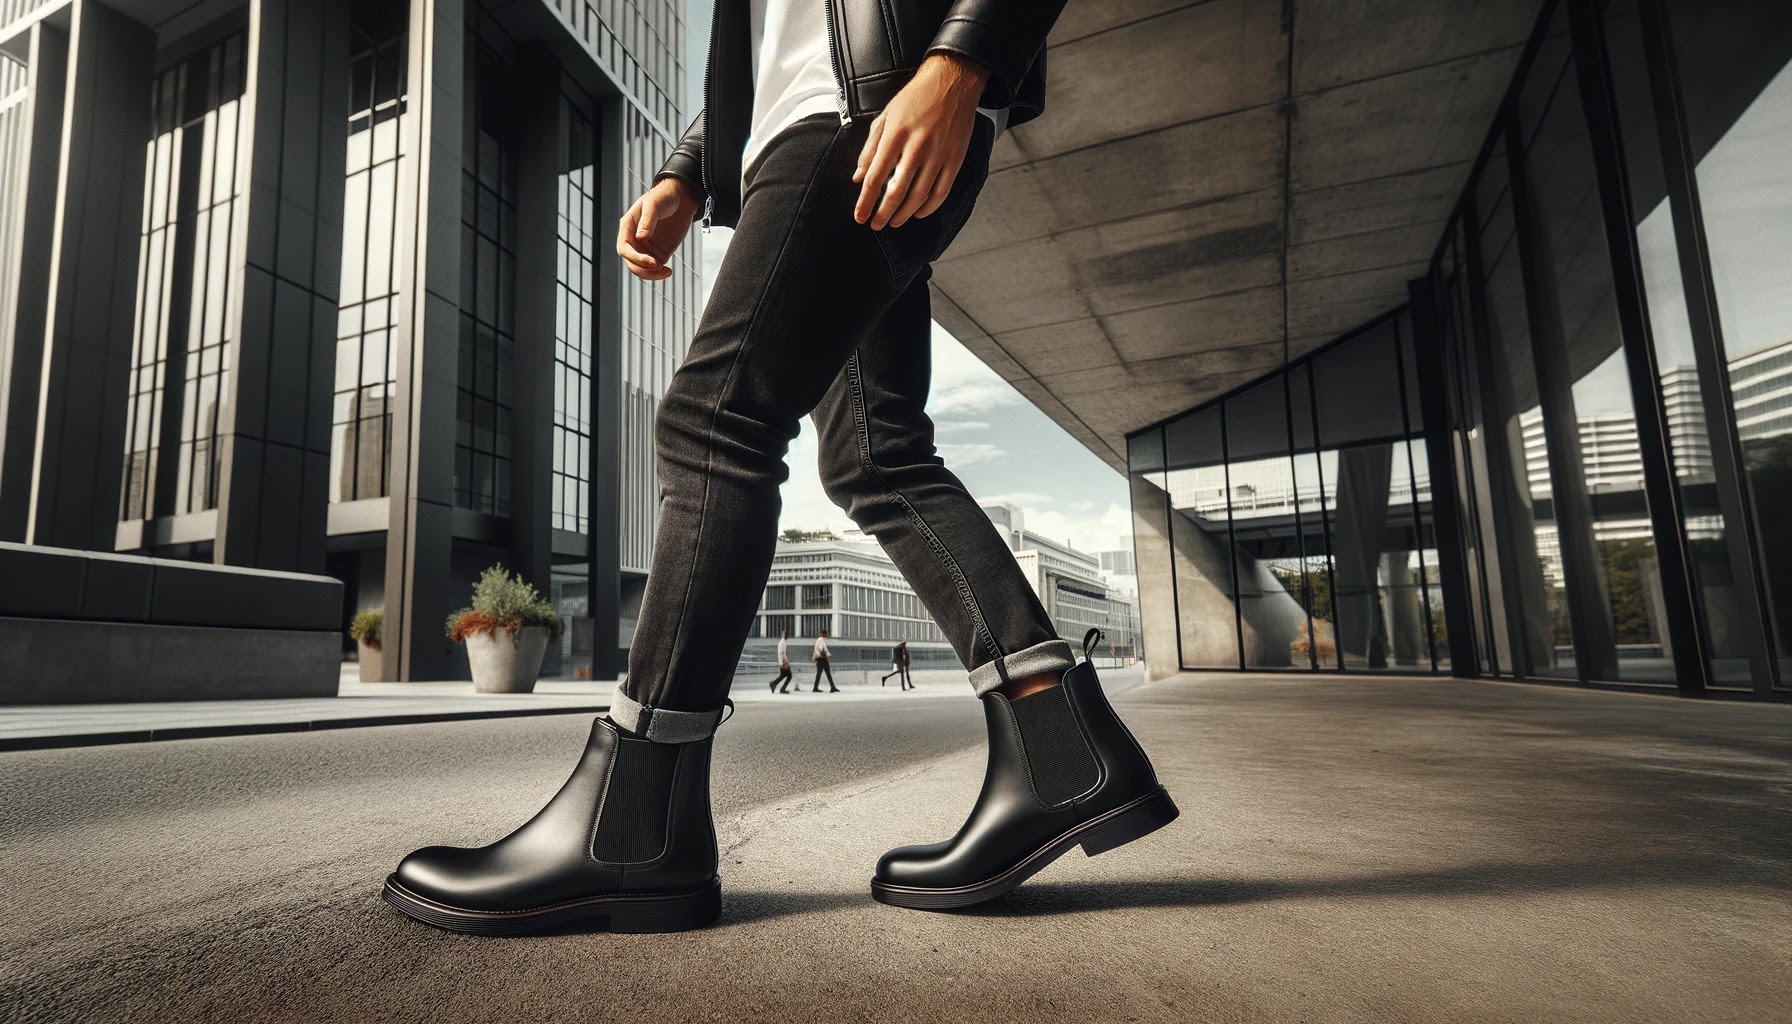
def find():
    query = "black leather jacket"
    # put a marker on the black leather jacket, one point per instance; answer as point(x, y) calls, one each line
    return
point(875, 45)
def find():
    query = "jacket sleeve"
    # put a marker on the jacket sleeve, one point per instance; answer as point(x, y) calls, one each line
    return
point(1002, 35)
point(686, 161)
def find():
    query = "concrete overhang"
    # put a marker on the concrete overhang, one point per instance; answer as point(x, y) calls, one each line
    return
point(1216, 188)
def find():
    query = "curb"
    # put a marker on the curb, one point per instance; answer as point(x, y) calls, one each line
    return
point(192, 732)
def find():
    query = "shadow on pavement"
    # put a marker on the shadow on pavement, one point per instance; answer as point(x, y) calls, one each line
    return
point(1067, 898)
point(765, 905)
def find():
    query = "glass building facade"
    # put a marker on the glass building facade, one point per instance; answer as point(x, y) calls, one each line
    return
point(1298, 512)
point(1564, 459)
point(364, 322)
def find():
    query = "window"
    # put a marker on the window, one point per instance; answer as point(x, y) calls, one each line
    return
point(361, 424)
point(180, 364)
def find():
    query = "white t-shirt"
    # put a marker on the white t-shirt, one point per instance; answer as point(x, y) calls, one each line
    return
point(792, 74)
point(783, 650)
point(821, 647)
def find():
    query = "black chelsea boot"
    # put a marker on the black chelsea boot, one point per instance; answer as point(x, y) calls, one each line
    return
point(627, 844)
point(1063, 772)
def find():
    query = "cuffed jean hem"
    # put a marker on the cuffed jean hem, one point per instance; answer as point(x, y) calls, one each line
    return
point(1050, 656)
point(660, 725)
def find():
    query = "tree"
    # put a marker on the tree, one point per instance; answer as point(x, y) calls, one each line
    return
point(1622, 562)
point(805, 536)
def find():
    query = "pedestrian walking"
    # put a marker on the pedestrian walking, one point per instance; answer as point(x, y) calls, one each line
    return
point(899, 665)
point(820, 656)
point(845, 143)
point(783, 662)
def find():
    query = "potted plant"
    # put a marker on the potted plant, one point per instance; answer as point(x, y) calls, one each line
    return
point(506, 631)
point(365, 628)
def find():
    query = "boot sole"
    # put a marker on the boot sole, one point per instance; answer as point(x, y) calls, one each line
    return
point(1133, 820)
point(668, 912)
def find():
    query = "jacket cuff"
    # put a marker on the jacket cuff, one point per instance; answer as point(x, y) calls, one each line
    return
point(682, 166)
point(989, 46)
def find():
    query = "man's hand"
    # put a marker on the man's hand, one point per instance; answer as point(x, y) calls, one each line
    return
point(918, 142)
point(653, 228)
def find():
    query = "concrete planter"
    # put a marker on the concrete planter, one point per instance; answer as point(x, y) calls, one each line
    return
point(372, 662)
point(503, 665)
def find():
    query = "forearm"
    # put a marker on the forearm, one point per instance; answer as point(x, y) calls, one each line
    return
point(1001, 35)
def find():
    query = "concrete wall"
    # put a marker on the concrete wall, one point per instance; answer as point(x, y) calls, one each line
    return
point(89, 626)
point(59, 661)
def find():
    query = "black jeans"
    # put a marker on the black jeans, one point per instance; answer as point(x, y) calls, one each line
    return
point(813, 312)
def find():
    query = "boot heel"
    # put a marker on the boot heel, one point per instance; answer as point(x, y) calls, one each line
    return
point(1144, 817)
point(670, 913)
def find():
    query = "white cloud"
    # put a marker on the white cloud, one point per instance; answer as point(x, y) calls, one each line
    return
point(1023, 498)
point(969, 454)
point(969, 395)
point(1109, 530)
point(941, 426)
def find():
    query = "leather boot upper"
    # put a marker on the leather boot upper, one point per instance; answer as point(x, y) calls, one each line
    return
point(633, 818)
point(1057, 759)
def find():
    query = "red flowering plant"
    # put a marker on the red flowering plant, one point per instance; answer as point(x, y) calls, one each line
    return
point(503, 601)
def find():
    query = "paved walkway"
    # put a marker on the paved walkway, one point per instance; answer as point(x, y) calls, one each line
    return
point(1362, 850)
point(358, 704)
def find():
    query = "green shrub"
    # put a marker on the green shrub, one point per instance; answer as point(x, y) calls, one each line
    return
point(366, 625)
point(504, 601)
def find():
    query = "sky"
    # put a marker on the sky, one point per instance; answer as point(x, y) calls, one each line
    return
point(997, 442)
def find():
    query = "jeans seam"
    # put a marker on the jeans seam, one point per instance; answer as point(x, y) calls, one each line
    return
point(715, 412)
point(862, 428)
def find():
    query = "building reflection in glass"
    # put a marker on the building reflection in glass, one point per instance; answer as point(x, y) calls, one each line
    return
point(1294, 516)
point(180, 351)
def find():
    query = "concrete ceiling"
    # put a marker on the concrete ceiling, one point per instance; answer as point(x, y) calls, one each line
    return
point(1216, 188)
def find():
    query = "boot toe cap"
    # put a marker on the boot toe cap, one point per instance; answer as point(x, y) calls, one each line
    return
point(436, 873)
point(912, 865)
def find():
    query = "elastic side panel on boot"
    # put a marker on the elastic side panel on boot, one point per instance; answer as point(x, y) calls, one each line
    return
point(1059, 757)
point(632, 826)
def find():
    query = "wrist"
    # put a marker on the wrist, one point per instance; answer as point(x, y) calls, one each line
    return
point(955, 72)
point(679, 187)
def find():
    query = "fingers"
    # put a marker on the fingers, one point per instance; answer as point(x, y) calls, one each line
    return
point(920, 192)
point(643, 258)
point(904, 171)
point(876, 179)
point(650, 216)
point(869, 148)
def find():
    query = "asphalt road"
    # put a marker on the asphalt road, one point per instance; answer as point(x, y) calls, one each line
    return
point(124, 863)
point(1351, 850)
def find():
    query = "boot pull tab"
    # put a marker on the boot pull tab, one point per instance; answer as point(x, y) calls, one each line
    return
point(1090, 639)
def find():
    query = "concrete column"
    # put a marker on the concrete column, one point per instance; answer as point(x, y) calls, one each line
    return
point(274, 430)
point(421, 588)
point(537, 95)
point(1406, 613)
point(1151, 557)
point(1358, 525)
point(92, 270)
point(35, 213)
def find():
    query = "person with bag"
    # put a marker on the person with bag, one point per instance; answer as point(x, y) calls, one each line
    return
point(899, 665)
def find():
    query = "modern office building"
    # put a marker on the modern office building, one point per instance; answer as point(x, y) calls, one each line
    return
point(1070, 584)
point(1442, 337)
point(850, 588)
point(326, 287)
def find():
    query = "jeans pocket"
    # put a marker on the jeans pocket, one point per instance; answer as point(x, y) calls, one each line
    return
point(921, 240)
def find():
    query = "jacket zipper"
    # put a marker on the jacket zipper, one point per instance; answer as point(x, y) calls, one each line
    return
point(834, 62)
point(709, 59)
